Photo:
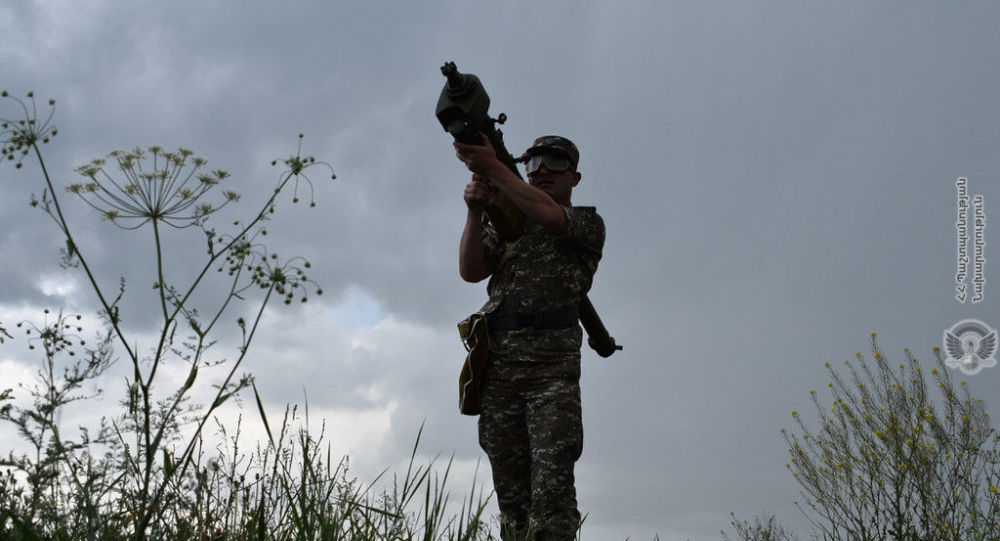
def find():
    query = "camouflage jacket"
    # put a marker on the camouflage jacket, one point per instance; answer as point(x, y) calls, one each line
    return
point(542, 272)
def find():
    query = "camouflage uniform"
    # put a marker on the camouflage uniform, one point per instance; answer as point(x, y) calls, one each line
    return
point(530, 425)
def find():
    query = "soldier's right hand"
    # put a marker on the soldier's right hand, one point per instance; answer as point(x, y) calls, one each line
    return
point(478, 193)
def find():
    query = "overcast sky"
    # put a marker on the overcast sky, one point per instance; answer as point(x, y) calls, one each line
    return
point(777, 180)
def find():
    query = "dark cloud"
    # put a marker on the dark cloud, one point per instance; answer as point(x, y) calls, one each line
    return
point(777, 181)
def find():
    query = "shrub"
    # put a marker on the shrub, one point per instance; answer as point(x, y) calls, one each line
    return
point(892, 458)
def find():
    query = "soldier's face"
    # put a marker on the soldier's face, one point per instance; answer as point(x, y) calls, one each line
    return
point(557, 184)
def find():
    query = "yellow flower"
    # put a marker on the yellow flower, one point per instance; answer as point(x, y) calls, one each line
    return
point(993, 489)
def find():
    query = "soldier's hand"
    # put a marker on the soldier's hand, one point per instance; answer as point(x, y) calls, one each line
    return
point(478, 193)
point(480, 159)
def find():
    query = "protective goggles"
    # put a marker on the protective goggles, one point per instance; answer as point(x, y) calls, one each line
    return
point(556, 164)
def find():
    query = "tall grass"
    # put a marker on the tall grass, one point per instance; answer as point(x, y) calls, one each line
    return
point(288, 488)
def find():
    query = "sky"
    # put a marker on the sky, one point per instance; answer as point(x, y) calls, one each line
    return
point(778, 180)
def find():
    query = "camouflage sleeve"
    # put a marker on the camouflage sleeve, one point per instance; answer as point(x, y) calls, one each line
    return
point(492, 248)
point(585, 228)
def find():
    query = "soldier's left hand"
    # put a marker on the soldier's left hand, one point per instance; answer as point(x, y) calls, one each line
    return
point(480, 159)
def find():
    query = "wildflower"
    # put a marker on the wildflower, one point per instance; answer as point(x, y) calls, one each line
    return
point(18, 137)
point(297, 166)
point(155, 185)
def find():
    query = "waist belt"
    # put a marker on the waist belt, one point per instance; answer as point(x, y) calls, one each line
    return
point(551, 319)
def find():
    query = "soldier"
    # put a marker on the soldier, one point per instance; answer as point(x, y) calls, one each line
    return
point(530, 422)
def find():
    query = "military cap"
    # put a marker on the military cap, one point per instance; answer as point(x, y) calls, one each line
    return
point(555, 144)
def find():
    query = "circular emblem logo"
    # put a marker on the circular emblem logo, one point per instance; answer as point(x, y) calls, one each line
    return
point(970, 345)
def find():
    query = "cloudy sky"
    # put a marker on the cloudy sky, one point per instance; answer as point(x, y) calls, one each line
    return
point(777, 180)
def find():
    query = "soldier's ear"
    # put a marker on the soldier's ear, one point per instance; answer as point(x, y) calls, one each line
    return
point(576, 178)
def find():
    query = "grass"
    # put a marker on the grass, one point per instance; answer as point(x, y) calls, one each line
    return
point(289, 488)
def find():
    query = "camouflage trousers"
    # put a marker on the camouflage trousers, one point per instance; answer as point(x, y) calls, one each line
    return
point(531, 429)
